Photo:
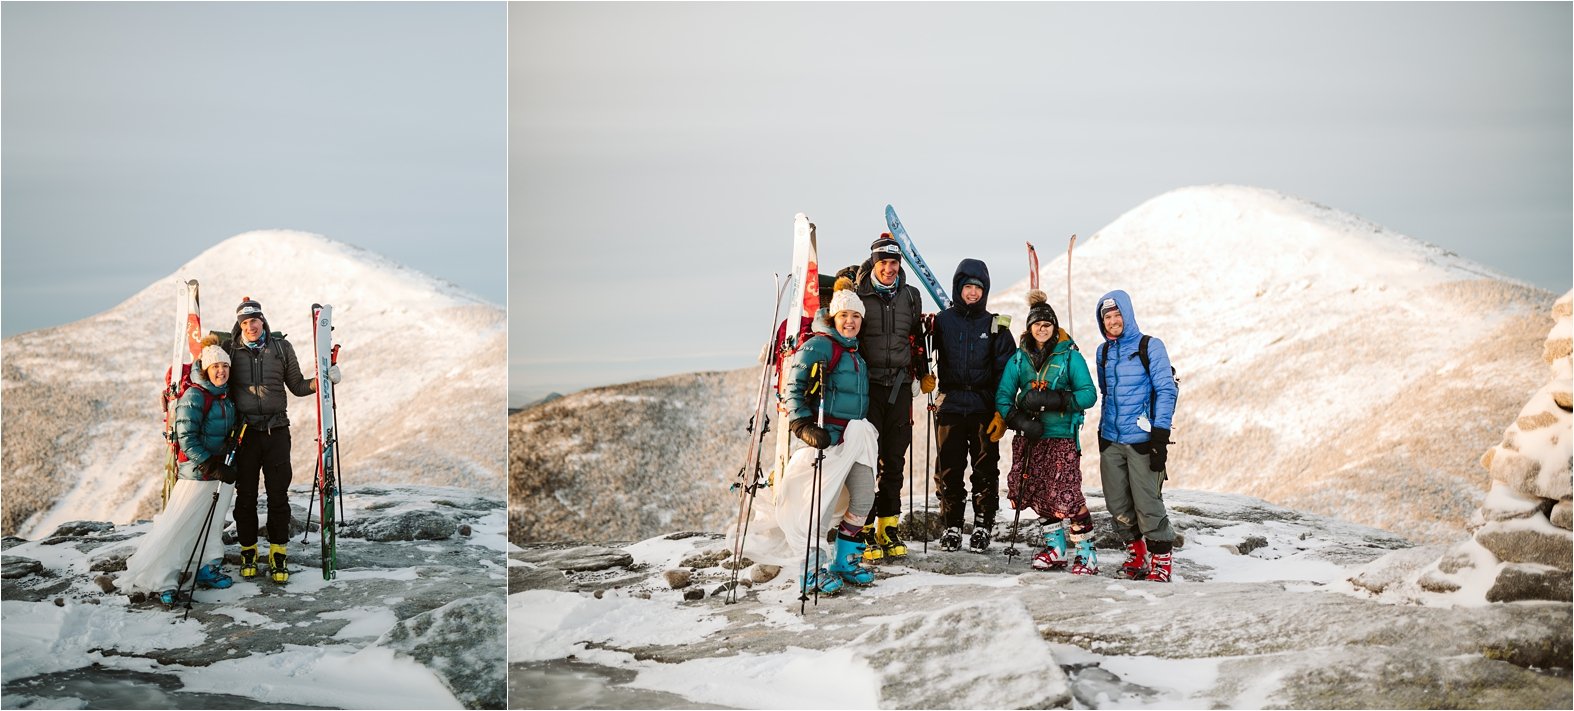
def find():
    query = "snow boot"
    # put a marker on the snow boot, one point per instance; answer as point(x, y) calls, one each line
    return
point(979, 542)
point(1136, 563)
point(823, 580)
point(1053, 557)
point(873, 552)
point(170, 597)
point(1159, 568)
point(951, 540)
point(885, 534)
point(209, 576)
point(278, 565)
point(248, 561)
point(1087, 559)
point(849, 558)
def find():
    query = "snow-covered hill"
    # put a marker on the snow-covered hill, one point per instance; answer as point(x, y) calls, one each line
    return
point(421, 402)
point(1262, 614)
point(1326, 364)
point(414, 618)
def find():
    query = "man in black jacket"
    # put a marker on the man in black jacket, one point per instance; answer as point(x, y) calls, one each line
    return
point(891, 344)
point(264, 365)
point(972, 347)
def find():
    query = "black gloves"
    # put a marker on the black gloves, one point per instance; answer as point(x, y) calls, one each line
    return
point(1160, 442)
point(1025, 423)
point(1036, 401)
point(812, 434)
point(215, 468)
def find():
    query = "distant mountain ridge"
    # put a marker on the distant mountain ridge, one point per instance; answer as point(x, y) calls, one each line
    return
point(1327, 365)
point(423, 364)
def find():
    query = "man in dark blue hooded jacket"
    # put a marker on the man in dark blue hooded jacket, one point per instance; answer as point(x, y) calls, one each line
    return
point(973, 347)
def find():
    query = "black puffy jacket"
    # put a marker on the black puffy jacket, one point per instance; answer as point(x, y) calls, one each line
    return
point(259, 378)
point(891, 325)
point(972, 351)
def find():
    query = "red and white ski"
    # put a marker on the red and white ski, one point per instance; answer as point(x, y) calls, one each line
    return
point(799, 324)
point(187, 346)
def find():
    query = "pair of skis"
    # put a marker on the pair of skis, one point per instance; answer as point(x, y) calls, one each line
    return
point(188, 345)
point(325, 490)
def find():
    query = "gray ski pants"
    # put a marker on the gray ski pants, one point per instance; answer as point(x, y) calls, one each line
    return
point(1134, 494)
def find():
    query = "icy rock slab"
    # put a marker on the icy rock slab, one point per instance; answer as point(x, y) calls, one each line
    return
point(403, 526)
point(576, 558)
point(476, 675)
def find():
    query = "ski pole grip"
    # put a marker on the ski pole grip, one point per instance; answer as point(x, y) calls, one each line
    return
point(333, 355)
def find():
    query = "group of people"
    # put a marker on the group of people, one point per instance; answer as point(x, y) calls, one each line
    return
point(236, 381)
point(848, 394)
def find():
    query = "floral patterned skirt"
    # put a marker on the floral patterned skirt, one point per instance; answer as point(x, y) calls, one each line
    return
point(1046, 476)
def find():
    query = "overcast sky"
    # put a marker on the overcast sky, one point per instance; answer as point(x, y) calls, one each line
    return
point(137, 135)
point(651, 132)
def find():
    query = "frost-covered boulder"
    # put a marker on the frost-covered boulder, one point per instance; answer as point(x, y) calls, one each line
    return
point(445, 640)
point(1521, 547)
point(577, 558)
point(416, 525)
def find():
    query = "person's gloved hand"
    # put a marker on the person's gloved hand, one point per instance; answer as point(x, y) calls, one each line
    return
point(812, 434)
point(1025, 423)
point(996, 429)
point(210, 468)
point(1047, 401)
point(226, 473)
point(1160, 441)
point(926, 384)
point(333, 374)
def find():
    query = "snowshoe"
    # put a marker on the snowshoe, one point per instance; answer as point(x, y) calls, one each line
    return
point(248, 562)
point(1053, 557)
point(849, 558)
point(872, 550)
point(209, 576)
point(951, 540)
point(1136, 563)
point(979, 542)
point(823, 580)
point(1159, 568)
point(885, 534)
point(278, 564)
point(1086, 561)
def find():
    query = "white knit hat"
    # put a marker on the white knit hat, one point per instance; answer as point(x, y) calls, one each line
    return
point(213, 354)
point(845, 300)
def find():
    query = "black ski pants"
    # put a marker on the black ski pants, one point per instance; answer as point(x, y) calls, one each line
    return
point(958, 439)
point(894, 422)
point(267, 451)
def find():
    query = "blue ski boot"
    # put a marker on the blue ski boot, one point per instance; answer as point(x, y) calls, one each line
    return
point(169, 597)
point(1087, 560)
point(1053, 557)
point(823, 580)
point(209, 576)
point(849, 551)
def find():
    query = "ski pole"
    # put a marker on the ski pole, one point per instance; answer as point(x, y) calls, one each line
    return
point(929, 429)
point(311, 501)
point(1011, 551)
point(207, 525)
point(338, 470)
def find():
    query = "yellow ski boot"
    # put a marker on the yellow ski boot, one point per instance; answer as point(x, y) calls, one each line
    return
point(886, 535)
point(278, 566)
point(872, 550)
point(248, 561)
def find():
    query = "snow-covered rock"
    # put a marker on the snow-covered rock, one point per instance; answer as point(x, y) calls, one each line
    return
point(423, 365)
point(1280, 626)
point(1521, 546)
point(406, 624)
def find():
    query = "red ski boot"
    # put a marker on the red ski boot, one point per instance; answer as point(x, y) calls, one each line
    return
point(1159, 568)
point(1135, 566)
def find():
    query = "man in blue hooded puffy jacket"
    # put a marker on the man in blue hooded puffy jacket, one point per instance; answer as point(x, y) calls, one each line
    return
point(972, 347)
point(1134, 436)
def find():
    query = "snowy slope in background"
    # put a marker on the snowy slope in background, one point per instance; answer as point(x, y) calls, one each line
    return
point(423, 387)
point(1327, 365)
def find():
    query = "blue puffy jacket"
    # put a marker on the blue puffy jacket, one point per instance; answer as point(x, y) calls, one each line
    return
point(202, 435)
point(1126, 388)
point(970, 348)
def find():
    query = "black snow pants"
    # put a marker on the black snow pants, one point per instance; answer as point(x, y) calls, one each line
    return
point(268, 452)
point(894, 422)
point(958, 439)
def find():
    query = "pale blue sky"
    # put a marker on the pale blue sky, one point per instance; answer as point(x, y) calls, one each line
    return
point(137, 135)
point(648, 132)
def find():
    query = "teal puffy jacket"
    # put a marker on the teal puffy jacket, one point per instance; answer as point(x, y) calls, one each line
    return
point(848, 383)
point(202, 436)
point(1065, 369)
